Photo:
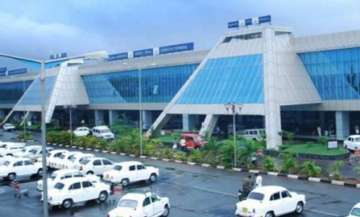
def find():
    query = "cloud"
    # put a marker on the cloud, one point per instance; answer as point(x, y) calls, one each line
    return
point(24, 36)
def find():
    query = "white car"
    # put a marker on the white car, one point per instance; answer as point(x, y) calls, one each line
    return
point(355, 211)
point(59, 162)
point(11, 148)
point(8, 127)
point(53, 156)
point(60, 175)
point(68, 192)
point(352, 142)
point(270, 201)
point(129, 172)
point(29, 151)
point(102, 132)
point(141, 204)
point(81, 131)
point(19, 167)
point(72, 161)
point(95, 166)
point(253, 134)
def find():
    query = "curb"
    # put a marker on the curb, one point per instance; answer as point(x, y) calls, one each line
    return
point(221, 167)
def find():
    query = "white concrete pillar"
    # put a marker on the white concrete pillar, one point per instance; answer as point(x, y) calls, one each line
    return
point(342, 125)
point(99, 117)
point(147, 119)
point(113, 116)
point(2, 114)
point(207, 127)
point(188, 122)
point(271, 105)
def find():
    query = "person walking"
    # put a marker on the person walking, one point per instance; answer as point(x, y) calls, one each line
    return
point(258, 180)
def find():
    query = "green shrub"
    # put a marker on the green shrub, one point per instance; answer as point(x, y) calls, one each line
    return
point(166, 153)
point(90, 142)
point(269, 163)
point(309, 168)
point(179, 155)
point(128, 142)
point(335, 169)
point(196, 156)
point(289, 163)
point(59, 137)
point(323, 140)
point(227, 153)
point(24, 136)
point(289, 136)
point(151, 146)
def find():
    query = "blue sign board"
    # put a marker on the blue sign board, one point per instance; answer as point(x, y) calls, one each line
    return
point(3, 71)
point(118, 56)
point(233, 24)
point(144, 53)
point(17, 71)
point(265, 19)
point(248, 22)
point(176, 48)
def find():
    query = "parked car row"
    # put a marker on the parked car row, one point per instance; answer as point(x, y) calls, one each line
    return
point(80, 177)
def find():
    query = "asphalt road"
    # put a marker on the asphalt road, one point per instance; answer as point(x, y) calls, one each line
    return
point(193, 191)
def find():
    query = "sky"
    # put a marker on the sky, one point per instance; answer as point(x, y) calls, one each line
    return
point(38, 28)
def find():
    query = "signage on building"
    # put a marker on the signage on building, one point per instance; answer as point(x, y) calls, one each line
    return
point(3, 71)
point(17, 71)
point(249, 22)
point(176, 48)
point(118, 56)
point(58, 55)
point(332, 144)
point(143, 53)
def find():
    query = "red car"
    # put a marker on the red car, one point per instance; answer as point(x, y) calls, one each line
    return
point(191, 140)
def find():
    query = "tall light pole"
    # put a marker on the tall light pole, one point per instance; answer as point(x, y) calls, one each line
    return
point(43, 139)
point(140, 112)
point(232, 107)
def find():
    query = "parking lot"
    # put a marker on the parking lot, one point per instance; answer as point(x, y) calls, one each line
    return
point(193, 191)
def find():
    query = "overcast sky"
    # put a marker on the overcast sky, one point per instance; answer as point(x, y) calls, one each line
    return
point(37, 28)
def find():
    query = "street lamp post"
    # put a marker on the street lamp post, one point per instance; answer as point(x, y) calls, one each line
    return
point(232, 108)
point(43, 140)
point(140, 112)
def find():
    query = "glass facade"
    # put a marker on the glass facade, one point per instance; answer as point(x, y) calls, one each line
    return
point(335, 73)
point(32, 96)
point(227, 80)
point(11, 92)
point(159, 85)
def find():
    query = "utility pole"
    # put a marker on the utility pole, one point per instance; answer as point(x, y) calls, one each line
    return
point(232, 108)
point(140, 112)
point(43, 139)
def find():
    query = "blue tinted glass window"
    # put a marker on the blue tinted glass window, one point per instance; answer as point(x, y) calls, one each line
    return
point(11, 92)
point(335, 73)
point(159, 85)
point(231, 79)
point(33, 95)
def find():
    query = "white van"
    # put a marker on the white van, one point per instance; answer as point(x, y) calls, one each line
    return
point(254, 134)
point(102, 132)
point(11, 148)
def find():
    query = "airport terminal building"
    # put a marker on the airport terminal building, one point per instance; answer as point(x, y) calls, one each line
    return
point(262, 73)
